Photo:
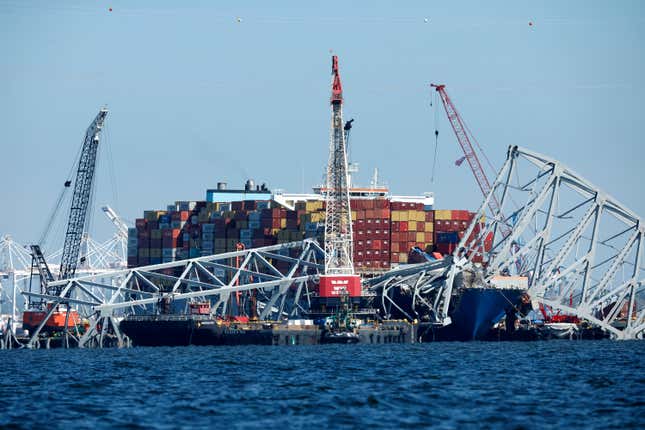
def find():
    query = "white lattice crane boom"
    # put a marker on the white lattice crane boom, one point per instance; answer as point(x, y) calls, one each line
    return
point(339, 266)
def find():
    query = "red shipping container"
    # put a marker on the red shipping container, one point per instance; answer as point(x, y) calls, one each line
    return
point(383, 213)
point(461, 215)
point(395, 257)
point(377, 244)
point(429, 237)
point(429, 216)
point(445, 248)
point(382, 203)
point(395, 247)
point(369, 221)
point(403, 226)
point(140, 223)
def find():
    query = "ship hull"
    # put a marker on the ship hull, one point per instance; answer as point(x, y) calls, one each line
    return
point(474, 312)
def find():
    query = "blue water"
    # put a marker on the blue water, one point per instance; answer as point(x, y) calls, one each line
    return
point(565, 384)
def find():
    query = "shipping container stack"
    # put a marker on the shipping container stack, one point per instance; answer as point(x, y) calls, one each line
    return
point(412, 226)
point(450, 227)
point(371, 227)
point(384, 231)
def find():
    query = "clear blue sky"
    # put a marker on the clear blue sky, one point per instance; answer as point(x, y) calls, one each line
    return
point(196, 96)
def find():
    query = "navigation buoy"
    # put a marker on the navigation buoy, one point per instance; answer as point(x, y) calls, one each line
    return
point(110, 9)
point(425, 19)
point(239, 19)
point(530, 23)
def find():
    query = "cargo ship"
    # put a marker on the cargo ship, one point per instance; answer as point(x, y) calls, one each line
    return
point(475, 309)
point(475, 306)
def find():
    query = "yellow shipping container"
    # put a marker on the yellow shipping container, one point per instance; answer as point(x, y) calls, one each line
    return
point(443, 214)
point(318, 217)
point(421, 236)
point(403, 215)
point(403, 257)
point(353, 215)
point(283, 223)
point(395, 216)
point(429, 227)
point(275, 231)
point(314, 205)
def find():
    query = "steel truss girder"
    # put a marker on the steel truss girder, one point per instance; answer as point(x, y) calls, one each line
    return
point(282, 285)
point(424, 284)
point(581, 249)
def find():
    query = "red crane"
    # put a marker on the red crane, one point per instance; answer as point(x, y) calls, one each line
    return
point(461, 131)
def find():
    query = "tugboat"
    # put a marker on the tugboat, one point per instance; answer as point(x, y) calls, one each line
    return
point(340, 327)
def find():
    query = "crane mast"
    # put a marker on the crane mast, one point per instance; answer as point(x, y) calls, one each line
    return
point(338, 221)
point(81, 197)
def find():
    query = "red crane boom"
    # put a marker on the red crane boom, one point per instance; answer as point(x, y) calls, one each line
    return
point(459, 128)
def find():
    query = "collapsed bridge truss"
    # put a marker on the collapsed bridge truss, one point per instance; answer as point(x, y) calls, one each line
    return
point(580, 248)
point(277, 281)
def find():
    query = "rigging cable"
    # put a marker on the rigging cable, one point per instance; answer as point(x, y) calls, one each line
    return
point(53, 215)
point(436, 136)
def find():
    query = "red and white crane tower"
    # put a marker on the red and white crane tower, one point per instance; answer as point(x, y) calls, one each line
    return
point(339, 277)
